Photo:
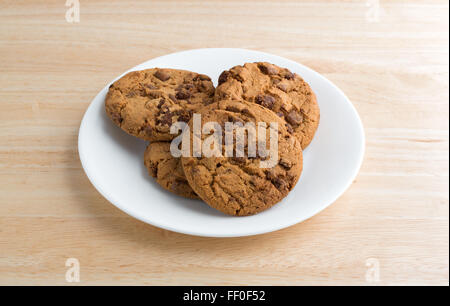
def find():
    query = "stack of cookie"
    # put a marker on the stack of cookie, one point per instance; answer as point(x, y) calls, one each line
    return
point(147, 103)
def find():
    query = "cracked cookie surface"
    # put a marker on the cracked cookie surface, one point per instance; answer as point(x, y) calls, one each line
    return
point(238, 185)
point(277, 89)
point(146, 103)
point(167, 170)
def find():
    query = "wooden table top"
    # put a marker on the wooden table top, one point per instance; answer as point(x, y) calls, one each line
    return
point(389, 57)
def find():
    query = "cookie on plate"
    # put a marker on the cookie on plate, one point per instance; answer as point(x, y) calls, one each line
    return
point(277, 89)
point(240, 186)
point(146, 103)
point(167, 169)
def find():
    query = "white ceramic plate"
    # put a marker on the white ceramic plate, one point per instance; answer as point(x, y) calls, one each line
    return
point(113, 160)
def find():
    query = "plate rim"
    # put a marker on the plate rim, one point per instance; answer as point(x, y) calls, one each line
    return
point(269, 229)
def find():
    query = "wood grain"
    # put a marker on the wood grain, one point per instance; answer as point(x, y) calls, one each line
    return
point(395, 70)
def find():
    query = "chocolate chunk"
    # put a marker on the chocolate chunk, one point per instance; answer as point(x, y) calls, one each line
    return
point(161, 103)
point(279, 183)
point(233, 109)
point(148, 130)
point(224, 77)
point(151, 86)
point(246, 112)
point(289, 75)
point(266, 101)
point(183, 95)
point(289, 128)
point(267, 69)
point(294, 118)
point(111, 86)
point(166, 119)
point(184, 117)
point(162, 75)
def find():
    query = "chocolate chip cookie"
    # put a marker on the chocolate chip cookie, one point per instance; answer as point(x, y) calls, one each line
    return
point(146, 103)
point(277, 89)
point(167, 169)
point(239, 185)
